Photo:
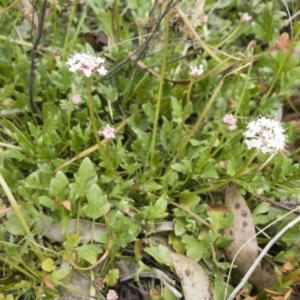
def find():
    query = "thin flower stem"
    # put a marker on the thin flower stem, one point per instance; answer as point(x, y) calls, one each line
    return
point(185, 112)
point(94, 125)
point(70, 23)
point(75, 35)
point(266, 162)
point(223, 42)
point(159, 96)
point(9, 7)
point(242, 103)
point(197, 37)
point(54, 11)
point(208, 153)
point(116, 18)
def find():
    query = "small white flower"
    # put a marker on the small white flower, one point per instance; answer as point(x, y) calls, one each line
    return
point(86, 64)
point(246, 18)
point(196, 71)
point(204, 19)
point(102, 70)
point(112, 295)
point(230, 121)
point(266, 135)
point(76, 99)
point(108, 132)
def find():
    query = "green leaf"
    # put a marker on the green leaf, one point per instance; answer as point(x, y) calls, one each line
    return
point(161, 254)
point(60, 274)
point(291, 236)
point(217, 217)
point(176, 110)
point(210, 170)
point(257, 214)
point(13, 225)
point(125, 231)
point(188, 200)
point(158, 210)
point(179, 226)
point(284, 256)
point(47, 202)
point(168, 294)
point(97, 203)
point(72, 241)
point(264, 28)
point(48, 265)
point(84, 178)
point(195, 249)
point(89, 252)
point(59, 186)
point(7, 297)
point(184, 167)
point(33, 181)
point(112, 277)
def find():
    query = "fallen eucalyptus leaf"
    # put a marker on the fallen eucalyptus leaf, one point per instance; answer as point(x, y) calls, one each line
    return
point(194, 281)
point(242, 231)
point(53, 231)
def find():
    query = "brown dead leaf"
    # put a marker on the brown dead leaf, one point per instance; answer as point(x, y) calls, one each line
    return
point(48, 283)
point(154, 292)
point(287, 295)
point(287, 267)
point(242, 231)
point(241, 293)
point(67, 204)
point(273, 292)
point(283, 42)
point(217, 207)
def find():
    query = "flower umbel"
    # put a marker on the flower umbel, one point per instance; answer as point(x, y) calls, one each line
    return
point(76, 99)
point(87, 64)
point(230, 121)
point(112, 295)
point(196, 72)
point(204, 19)
point(246, 18)
point(266, 135)
point(108, 132)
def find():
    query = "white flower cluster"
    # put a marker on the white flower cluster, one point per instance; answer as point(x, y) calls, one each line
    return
point(230, 121)
point(76, 99)
point(196, 71)
point(86, 64)
point(204, 19)
point(108, 132)
point(246, 18)
point(266, 135)
point(112, 295)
